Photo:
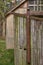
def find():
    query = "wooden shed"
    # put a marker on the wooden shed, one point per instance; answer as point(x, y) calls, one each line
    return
point(24, 34)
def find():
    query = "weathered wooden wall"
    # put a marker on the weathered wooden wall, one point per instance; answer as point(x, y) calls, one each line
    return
point(10, 32)
point(20, 41)
point(36, 42)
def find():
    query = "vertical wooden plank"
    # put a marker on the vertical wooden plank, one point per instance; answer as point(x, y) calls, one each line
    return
point(24, 33)
point(20, 56)
point(36, 43)
point(20, 39)
point(33, 43)
point(21, 33)
point(42, 43)
point(16, 45)
point(24, 42)
point(32, 33)
point(39, 43)
point(24, 57)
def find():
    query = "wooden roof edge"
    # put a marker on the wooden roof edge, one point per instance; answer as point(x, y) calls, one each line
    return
point(11, 11)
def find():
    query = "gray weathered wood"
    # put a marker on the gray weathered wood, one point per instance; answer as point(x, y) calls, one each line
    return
point(20, 41)
point(10, 32)
point(36, 42)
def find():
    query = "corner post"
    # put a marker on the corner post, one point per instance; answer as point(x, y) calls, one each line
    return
point(28, 35)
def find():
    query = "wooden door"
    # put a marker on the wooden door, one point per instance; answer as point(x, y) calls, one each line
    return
point(36, 41)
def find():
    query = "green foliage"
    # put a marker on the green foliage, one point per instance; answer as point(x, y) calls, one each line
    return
point(3, 7)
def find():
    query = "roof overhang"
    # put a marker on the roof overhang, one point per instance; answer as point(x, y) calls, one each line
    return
point(15, 8)
point(31, 13)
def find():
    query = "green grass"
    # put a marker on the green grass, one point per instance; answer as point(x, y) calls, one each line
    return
point(6, 56)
